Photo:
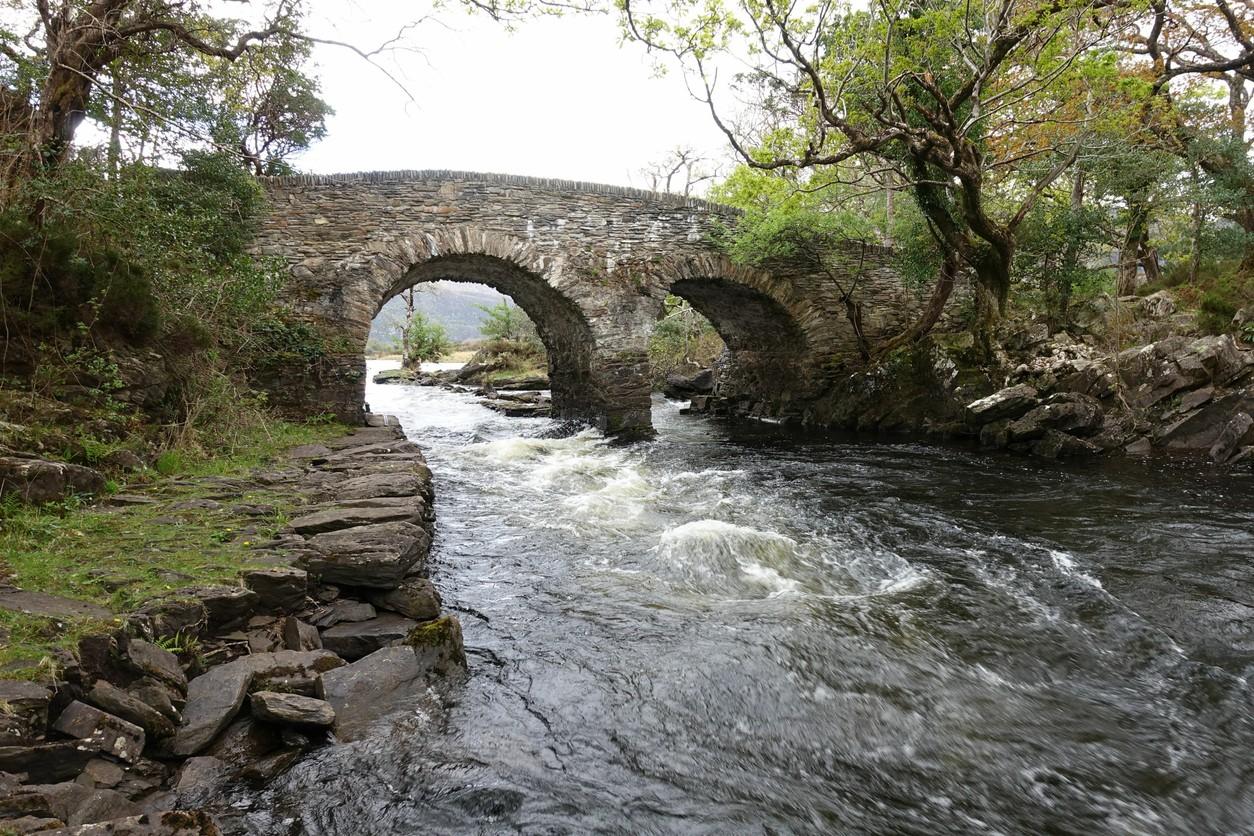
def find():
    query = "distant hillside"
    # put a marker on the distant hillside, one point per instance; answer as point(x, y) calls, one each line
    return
point(452, 304)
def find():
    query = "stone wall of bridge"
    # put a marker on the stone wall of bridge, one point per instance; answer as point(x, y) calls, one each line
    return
point(590, 264)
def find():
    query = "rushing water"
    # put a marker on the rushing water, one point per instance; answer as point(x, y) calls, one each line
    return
point(727, 631)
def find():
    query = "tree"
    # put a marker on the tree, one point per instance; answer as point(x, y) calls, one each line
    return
point(507, 322)
point(56, 72)
point(958, 100)
point(679, 172)
point(426, 341)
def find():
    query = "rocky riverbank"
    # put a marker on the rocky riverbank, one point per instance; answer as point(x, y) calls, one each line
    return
point(522, 396)
point(1055, 394)
point(333, 625)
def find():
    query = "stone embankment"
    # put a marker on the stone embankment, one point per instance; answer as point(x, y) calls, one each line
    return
point(335, 625)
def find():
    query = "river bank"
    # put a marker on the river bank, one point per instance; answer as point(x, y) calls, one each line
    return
point(321, 611)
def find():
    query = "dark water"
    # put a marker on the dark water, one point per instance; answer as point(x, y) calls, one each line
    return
point(729, 632)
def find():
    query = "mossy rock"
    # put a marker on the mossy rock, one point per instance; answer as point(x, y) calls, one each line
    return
point(438, 645)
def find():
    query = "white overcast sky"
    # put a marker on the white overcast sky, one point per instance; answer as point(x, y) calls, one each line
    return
point(555, 97)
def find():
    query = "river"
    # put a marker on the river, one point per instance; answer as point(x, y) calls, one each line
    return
point(730, 631)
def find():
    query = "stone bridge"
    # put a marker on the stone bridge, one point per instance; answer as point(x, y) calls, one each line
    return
point(590, 264)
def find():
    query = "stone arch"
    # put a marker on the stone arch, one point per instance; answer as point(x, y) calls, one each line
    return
point(755, 314)
point(533, 281)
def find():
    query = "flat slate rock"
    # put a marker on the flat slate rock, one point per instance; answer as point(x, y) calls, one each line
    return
point(343, 610)
point(213, 700)
point(48, 762)
point(101, 730)
point(376, 485)
point(361, 638)
point(50, 606)
point(292, 709)
point(415, 598)
point(342, 517)
point(377, 556)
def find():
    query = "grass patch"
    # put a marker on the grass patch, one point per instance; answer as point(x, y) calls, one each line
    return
point(120, 558)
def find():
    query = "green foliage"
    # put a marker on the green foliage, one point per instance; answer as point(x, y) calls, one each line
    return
point(682, 340)
point(426, 341)
point(507, 322)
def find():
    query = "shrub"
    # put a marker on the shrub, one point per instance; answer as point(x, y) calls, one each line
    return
point(426, 341)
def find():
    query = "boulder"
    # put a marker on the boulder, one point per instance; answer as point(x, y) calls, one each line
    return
point(289, 670)
point(438, 645)
point(170, 617)
point(198, 773)
point(377, 556)
point(226, 606)
point(342, 610)
point(357, 639)
point(213, 699)
point(36, 480)
point(1068, 413)
point(297, 635)
point(47, 762)
point(292, 709)
point(1237, 433)
point(309, 452)
point(108, 697)
point(376, 485)
point(415, 598)
point(281, 589)
point(682, 387)
point(371, 688)
point(342, 517)
point(101, 731)
point(1058, 445)
point(147, 659)
point(23, 711)
point(1011, 402)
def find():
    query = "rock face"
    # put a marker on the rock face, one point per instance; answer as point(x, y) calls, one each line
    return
point(683, 387)
point(292, 709)
point(371, 688)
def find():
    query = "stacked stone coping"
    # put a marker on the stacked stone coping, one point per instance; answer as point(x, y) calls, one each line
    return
point(411, 175)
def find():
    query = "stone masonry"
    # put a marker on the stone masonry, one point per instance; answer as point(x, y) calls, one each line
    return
point(590, 264)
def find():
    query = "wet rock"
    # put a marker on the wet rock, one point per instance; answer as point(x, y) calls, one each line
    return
point(341, 517)
point(378, 556)
point(343, 610)
point(271, 766)
point(995, 434)
point(1068, 413)
point(281, 589)
point(199, 773)
point(102, 731)
point(382, 421)
point(1011, 402)
point(415, 598)
point(1200, 429)
point(1059, 445)
point(226, 606)
point(289, 670)
point(37, 481)
point(1236, 434)
point(50, 606)
point(108, 697)
point(438, 645)
point(371, 688)
point(47, 762)
point(682, 387)
point(244, 741)
point(292, 709)
point(358, 639)
point(166, 823)
point(23, 711)
point(297, 635)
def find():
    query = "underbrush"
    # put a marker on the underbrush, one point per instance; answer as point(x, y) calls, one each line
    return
point(1218, 293)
